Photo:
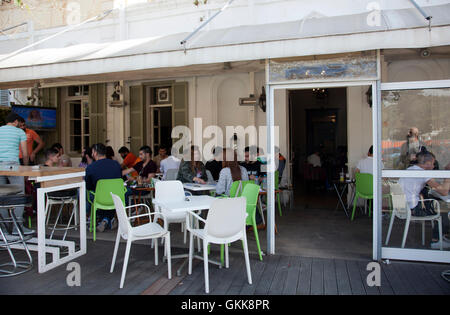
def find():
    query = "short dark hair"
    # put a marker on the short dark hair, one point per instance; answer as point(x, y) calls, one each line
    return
point(109, 152)
point(57, 146)
point(49, 152)
point(146, 149)
point(424, 156)
point(371, 150)
point(100, 148)
point(162, 147)
point(124, 150)
point(247, 149)
point(12, 117)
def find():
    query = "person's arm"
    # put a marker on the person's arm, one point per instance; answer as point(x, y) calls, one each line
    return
point(39, 147)
point(127, 171)
point(25, 157)
point(221, 183)
point(441, 189)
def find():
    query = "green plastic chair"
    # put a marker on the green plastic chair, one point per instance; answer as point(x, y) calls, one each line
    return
point(364, 189)
point(103, 199)
point(251, 192)
point(277, 194)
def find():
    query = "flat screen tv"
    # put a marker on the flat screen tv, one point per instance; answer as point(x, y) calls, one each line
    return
point(39, 118)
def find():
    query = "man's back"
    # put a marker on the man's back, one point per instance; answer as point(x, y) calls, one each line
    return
point(102, 169)
point(10, 138)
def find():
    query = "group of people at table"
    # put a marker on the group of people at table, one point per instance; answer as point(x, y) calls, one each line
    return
point(143, 168)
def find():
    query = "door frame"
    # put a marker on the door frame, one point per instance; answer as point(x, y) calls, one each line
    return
point(376, 139)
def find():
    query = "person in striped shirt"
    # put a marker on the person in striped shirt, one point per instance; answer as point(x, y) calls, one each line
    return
point(11, 139)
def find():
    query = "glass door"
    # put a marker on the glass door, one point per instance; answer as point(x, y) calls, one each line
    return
point(415, 148)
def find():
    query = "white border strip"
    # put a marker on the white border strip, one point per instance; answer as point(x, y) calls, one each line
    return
point(415, 85)
point(427, 255)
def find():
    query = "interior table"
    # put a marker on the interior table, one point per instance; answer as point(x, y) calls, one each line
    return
point(341, 188)
point(191, 203)
point(53, 179)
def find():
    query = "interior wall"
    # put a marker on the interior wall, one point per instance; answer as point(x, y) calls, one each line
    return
point(359, 126)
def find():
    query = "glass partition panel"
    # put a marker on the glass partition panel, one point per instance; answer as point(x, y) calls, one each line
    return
point(415, 216)
point(415, 121)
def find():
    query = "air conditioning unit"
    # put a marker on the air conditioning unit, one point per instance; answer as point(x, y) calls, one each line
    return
point(248, 101)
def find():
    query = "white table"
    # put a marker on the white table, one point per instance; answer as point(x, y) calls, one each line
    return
point(53, 179)
point(199, 187)
point(191, 203)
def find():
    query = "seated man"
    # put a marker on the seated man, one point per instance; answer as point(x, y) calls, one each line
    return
point(162, 155)
point(102, 168)
point(366, 165)
point(146, 168)
point(171, 162)
point(129, 160)
point(52, 157)
point(412, 187)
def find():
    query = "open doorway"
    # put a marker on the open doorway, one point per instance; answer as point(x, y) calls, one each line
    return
point(319, 121)
point(318, 143)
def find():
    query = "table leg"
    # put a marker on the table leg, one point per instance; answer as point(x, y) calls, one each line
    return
point(340, 198)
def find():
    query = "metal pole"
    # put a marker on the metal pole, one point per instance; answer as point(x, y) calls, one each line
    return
point(183, 42)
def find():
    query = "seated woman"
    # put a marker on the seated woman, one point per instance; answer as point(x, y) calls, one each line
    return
point(192, 171)
point(86, 157)
point(231, 172)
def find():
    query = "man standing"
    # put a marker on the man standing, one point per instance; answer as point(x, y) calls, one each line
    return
point(411, 148)
point(102, 168)
point(11, 139)
point(32, 137)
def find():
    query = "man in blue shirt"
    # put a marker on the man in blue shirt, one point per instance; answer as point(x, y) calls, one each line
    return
point(102, 168)
point(11, 139)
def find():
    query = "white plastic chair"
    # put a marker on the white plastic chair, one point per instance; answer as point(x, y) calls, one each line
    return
point(171, 174)
point(151, 230)
point(402, 211)
point(171, 191)
point(224, 224)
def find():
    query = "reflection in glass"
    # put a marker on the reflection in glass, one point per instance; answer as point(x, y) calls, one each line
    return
point(414, 121)
point(416, 215)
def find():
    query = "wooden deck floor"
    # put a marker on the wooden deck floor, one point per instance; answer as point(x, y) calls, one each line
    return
point(277, 274)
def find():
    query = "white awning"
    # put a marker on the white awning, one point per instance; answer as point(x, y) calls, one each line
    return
point(314, 36)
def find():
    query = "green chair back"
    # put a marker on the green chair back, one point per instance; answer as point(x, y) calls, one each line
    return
point(235, 186)
point(251, 193)
point(364, 185)
point(103, 192)
point(103, 199)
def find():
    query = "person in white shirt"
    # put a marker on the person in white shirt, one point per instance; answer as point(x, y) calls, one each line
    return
point(366, 165)
point(169, 163)
point(314, 159)
point(412, 188)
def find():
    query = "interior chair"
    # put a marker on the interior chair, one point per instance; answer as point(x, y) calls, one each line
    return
point(151, 230)
point(364, 189)
point(210, 177)
point(102, 198)
point(225, 223)
point(402, 211)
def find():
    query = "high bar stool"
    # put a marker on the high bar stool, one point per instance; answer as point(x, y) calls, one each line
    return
point(9, 199)
point(62, 198)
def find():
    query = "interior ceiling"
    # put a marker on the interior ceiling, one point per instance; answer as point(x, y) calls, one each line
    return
point(147, 74)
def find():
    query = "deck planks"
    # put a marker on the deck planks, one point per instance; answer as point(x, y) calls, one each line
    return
point(275, 275)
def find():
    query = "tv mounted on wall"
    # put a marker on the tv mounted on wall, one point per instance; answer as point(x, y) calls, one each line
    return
point(39, 118)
